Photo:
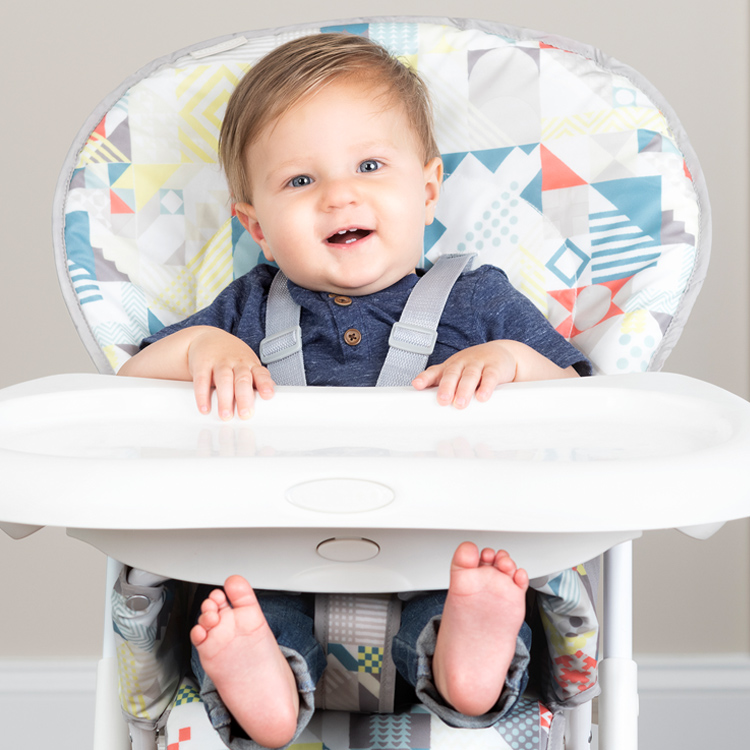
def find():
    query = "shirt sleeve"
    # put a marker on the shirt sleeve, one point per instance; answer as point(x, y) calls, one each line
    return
point(505, 313)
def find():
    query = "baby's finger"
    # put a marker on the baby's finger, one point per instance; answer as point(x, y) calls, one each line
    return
point(467, 386)
point(244, 393)
point(448, 384)
point(490, 380)
point(428, 377)
point(224, 383)
point(202, 382)
point(263, 382)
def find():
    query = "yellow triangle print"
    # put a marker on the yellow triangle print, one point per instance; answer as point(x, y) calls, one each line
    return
point(125, 180)
point(443, 47)
point(212, 268)
point(409, 60)
point(149, 178)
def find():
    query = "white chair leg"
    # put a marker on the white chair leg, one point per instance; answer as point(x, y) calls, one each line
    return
point(110, 729)
point(618, 673)
point(578, 728)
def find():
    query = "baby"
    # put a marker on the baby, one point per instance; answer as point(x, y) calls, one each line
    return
point(328, 149)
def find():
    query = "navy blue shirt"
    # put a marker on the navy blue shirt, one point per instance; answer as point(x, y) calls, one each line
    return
point(482, 306)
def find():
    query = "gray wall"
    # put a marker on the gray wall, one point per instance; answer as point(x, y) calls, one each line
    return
point(62, 60)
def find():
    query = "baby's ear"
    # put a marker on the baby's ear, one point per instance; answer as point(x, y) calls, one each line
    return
point(249, 219)
point(433, 179)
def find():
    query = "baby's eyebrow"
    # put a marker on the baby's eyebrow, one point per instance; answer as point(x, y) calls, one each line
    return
point(290, 168)
point(374, 145)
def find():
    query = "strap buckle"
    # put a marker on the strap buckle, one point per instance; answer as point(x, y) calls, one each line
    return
point(281, 345)
point(412, 338)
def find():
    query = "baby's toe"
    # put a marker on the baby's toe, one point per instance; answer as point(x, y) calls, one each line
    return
point(217, 599)
point(504, 563)
point(198, 635)
point(209, 620)
point(466, 556)
point(239, 591)
point(521, 579)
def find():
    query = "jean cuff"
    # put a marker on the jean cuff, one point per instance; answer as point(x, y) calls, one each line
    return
point(515, 683)
point(227, 728)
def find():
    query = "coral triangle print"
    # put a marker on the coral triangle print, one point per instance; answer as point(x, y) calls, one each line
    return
point(118, 205)
point(555, 173)
point(599, 301)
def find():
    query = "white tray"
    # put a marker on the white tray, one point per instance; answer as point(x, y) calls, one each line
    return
point(130, 466)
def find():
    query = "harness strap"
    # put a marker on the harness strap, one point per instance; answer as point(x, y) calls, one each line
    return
point(412, 338)
point(281, 349)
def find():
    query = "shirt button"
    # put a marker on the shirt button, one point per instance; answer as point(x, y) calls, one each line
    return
point(339, 299)
point(352, 336)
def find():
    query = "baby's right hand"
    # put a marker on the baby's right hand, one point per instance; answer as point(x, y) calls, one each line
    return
point(218, 358)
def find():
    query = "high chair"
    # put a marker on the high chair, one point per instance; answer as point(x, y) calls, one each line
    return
point(563, 167)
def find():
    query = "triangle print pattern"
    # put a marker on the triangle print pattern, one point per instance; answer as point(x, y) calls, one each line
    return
point(202, 93)
point(557, 169)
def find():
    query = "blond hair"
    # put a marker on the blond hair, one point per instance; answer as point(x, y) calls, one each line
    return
point(300, 68)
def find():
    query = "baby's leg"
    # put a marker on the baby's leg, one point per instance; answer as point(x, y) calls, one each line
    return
point(239, 653)
point(476, 641)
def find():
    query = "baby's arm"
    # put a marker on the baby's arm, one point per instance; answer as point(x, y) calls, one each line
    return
point(207, 356)
point(479, 369)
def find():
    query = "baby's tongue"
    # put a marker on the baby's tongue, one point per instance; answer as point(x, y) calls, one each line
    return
point(346, 237)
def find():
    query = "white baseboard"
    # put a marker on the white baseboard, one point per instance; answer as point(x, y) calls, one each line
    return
point(56, 676)
point(693, 702)
point(682, 674)
point(687, 702)
point(54, 695)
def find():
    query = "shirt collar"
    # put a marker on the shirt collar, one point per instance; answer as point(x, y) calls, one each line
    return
point(307, 298)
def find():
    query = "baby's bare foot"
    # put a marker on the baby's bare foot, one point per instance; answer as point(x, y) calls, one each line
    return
point(240, 654)
point(476, 641)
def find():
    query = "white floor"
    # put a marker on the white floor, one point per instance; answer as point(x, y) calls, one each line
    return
point(686, 704)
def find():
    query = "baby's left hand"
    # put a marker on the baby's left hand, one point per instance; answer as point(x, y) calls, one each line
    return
point(475, 371)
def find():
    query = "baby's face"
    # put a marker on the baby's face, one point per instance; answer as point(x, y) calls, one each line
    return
point(340, 192)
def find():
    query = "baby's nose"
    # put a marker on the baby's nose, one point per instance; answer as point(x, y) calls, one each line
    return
point(340, 192)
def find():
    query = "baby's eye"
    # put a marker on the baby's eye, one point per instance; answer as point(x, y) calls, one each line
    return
point(300, 181)
point(370, 165)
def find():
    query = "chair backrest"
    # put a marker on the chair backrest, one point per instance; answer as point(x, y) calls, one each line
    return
point(564, 167)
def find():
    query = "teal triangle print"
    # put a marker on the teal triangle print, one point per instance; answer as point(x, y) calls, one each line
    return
point(532, 193)
point(116, 171)
point(492, 158)
point(639, 199)
point(154, 324)
point(432, 233)
point(451, 162)
point(358, 29)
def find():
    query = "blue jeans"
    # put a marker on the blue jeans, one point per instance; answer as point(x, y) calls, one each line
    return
point(291, 619)
point(412, 650)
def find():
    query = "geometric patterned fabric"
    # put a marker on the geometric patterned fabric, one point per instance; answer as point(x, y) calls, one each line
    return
point(560, 170)
point(356, 631)
point(148, 644)
point(188, 728)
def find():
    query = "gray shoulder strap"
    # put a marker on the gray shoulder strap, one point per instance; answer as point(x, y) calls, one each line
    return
point(413, 336)
point(281, 349)
point(411, 341)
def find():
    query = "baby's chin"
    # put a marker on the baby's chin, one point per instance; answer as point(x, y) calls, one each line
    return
point(360, 287)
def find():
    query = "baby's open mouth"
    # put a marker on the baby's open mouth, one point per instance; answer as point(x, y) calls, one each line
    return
point(347, 236)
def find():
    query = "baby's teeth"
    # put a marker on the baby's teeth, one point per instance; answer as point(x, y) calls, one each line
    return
point(343, 231)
